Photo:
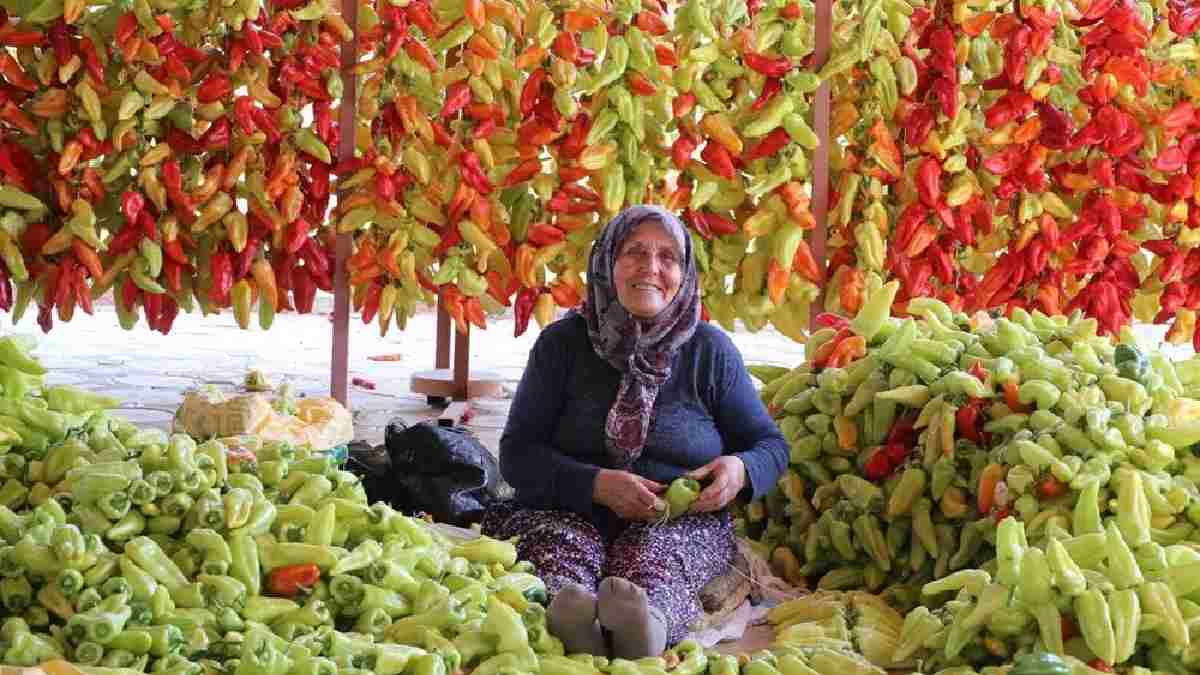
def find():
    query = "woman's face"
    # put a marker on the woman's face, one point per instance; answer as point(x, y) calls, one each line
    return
point(648, 270)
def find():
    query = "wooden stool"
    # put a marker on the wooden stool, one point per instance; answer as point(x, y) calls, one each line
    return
point(442, 385)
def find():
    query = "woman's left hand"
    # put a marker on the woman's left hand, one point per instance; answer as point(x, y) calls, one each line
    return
point(726, 476)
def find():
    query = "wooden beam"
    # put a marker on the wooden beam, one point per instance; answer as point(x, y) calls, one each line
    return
point(821, 112)
point(339, 364)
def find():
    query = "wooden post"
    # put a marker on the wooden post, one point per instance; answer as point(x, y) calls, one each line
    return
point(340, 362)
point(821, 113)
point(462, 364)
point(441, 358)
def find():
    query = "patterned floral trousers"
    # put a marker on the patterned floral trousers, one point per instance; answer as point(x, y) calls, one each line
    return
point(671, 561)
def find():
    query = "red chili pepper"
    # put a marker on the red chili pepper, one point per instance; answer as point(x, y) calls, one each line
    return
point(640, 85)
point(827, 320)
point(769, 66)
point(264, 121)
point(6, 290)
point(291, 580)
point(768, 146)
point(718, 160)
point(214, 88)
point(918, 125)
point(524, 171)
point(371, 304)
point(682, 149)
point(897, 453)
point(245, 258)
point(129, 294)
point(27, 38)
point(79, 285)
point(132, 204)
point(457, 97)
point(168, 309)
point(1169, 160)
point(315, 259)
point(967, 421)
point(60, 40)
point(878, 467)
point(576, 139)
point(665, 55)
point(699, 222)
point(473, 312)
point(566, 46)
point(91, 60)
point(683, 104)
point(304, 291)
point(221, 268)
point(541, 234)
point(217, 135)
point(771, 88)
point(473, 173)
point(929, 182)
point(531, 91)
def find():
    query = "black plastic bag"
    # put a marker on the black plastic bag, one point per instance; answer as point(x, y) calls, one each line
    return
point(440, 470)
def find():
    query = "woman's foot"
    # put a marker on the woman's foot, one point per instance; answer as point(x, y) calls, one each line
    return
point(638, 628)
point(571, 618)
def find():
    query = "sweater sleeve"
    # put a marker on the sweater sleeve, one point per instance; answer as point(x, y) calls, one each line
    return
point(542, 475)
point(749, 432)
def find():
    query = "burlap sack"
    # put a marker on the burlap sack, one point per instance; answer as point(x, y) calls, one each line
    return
point(319, 422)
point(209, 414)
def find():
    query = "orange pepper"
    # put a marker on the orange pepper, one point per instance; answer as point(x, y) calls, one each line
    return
point(988, 479)
point(1012, 398)
point(524, 271)
point(476, 13)
point(530, 58)
point(565, 295)
point(366, 274)
point(806, 265)
point(821, 356)
point(473, 312)
point(87, 257)
point(852, 290)
point(264, 278)
point(777, 281)
point(975, 25)
point(847, 351)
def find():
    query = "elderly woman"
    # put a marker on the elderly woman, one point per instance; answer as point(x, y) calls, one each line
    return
point(618, 400)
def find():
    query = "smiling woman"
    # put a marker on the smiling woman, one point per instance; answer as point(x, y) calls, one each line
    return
point(617, 401)
point(648, 272)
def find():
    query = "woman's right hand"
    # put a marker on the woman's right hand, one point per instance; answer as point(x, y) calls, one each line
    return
point(626, 494)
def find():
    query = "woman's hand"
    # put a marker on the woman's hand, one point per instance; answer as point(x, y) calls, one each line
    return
point(628, 495)
point(725, 477)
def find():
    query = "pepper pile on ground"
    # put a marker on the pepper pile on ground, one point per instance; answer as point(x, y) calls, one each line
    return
point(125, 550)
point(919, 443)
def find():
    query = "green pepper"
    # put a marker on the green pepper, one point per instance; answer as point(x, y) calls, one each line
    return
point(487, 550)
point(14, 351)
point(282, 554)
point(69, 399)
point(149, 557)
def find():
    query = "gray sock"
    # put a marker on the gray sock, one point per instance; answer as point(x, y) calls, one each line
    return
point(571, 618)
point(638, 628)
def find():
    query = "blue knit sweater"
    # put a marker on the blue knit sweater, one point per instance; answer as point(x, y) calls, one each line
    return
point(553, 445)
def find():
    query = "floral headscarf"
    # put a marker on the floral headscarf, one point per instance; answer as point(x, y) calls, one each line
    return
point(641, 351)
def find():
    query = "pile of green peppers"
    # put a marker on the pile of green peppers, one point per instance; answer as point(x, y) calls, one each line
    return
point(908, 465)
point(128, 550)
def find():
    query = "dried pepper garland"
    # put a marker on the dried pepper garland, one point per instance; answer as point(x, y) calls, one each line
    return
point(161, 153)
